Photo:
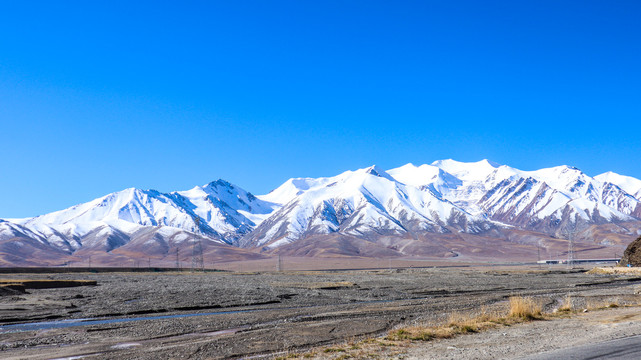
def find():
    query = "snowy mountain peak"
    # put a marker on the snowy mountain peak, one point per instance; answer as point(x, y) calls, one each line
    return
point(467, 171)
point(401, 204)
point(411, 174)
point(629, 184)
point(219, 183)
point(292, 188)
point(227, 191)
point(367, 202)
point(609, 174)
point(455, 163)
point(426, 176)
point(227, 209)
point(377, 171)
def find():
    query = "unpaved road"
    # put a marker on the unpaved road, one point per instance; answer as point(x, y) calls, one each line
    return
point(628, 348)
point(226, 315)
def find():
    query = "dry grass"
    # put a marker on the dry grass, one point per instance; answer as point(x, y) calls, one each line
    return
point(570, 306)
point(567, 305)
point(518, 310)
point(371, 348)
point(525, 308)
point(608, 304)
point(615, 270)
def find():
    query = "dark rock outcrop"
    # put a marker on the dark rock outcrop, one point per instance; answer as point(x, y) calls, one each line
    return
point(632, 254)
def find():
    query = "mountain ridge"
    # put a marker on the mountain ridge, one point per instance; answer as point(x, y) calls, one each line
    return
point(420, 205)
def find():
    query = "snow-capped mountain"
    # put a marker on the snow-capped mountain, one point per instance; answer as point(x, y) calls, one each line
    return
point(363, 203)
point(547, 198)
point(228, 210)
point(416, 205)
point(541, 200)
point(219, 211)
point(629, 184)
point(9, 230)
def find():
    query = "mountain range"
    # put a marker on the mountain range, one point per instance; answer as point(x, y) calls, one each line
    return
point(446, 209)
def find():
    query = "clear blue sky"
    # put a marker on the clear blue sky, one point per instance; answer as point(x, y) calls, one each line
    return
point(96, 96)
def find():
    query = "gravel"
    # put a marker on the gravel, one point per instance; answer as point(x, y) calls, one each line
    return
point(278, 311)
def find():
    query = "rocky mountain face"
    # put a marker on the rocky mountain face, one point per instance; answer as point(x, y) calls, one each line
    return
point(441, 209)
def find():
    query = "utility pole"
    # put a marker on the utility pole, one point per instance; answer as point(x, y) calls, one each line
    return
point(279, 264)
point(197, 260)
point(89, 261)
point(178, 258)
point(538, 253)
point(571, 235)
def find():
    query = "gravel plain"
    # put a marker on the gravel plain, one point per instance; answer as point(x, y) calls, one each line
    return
point(220, 315)
point(535, 340)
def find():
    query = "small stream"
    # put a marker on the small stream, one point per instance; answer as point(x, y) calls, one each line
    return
point(59, 324)
point(44, 325)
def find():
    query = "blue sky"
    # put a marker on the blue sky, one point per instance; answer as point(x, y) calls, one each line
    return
point(97, 97)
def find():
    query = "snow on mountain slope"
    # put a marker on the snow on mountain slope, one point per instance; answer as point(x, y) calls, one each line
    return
point(569, 180)
point(224, 213)
point(125, 210)
point(360, 203)
point(292, 188)
point(540, 199)
point(9, 230)
point(530, 202)
point(587, 197)
point(228, 209)
point(426, 177)
point(467, 171)
point(629, 184)
point(463, 184)
point(523, 198)
point(446, 197)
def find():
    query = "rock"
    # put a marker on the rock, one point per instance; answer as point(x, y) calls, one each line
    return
point(632, 254)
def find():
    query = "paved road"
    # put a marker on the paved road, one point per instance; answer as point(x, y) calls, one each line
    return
point(620, 349)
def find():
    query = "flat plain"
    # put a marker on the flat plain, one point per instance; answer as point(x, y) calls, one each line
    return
point(221, 315)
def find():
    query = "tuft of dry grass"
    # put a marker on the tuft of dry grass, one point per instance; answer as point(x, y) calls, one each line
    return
point(615, 270)
point(604, 304)
point(518, 310)
point(567, 305)
point(458, 324)
point(525, 308)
